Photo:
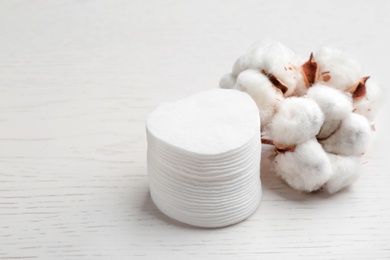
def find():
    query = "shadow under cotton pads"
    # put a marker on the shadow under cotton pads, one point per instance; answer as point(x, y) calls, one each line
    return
point(204, 158)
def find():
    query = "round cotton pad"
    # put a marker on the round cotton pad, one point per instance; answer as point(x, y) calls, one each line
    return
point(204, 158)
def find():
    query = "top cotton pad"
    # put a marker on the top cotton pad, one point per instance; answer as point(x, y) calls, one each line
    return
point(208, 123)
point(204, 158)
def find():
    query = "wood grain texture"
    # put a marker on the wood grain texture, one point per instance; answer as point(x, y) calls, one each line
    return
point(77, 79)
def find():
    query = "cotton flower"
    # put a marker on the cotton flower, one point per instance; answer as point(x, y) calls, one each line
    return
point(265, 95)
point(316, 112)
point(297, 120)
point(345, 170)
point(352, 137)
point(369, 105)
point(337, 68)
point(335, 105)
point(306, 169)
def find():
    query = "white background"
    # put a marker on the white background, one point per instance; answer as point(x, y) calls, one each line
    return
point(77, 79)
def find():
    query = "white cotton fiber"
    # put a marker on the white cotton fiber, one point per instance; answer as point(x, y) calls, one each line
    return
point(300, 88)
point(277, 61)
point(227, 81)
point(352, 137)
point(323, 108)
point(246, 61)
point(203, 158)
point(202, 123)
point(337, 68)
point(297, 120)
point(345, 170)
point(306, 169)
point(265, 95)
point(369, 105)
point(283, 63)
point(242, 63)
point(335, 105)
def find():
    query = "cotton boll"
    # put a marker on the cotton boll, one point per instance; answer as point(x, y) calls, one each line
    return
point(337, 68)
point(335, 105)
point(246, 61)
point(369, 105)
point(305, 169)
point(275, 60)
point(282, 62)
point(265, 95)
point(300, 88)
point(297, 120)
point(352, 137)
point(345, 170)
point(227, 81)
point(241, 64)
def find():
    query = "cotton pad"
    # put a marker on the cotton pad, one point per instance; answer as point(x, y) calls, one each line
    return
point(204, 158)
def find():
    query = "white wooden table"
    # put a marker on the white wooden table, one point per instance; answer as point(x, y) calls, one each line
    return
point(77, 79)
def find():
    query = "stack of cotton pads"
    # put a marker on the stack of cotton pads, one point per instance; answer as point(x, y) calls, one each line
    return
point(204, 158)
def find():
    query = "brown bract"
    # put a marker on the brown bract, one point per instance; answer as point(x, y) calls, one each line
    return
point(359, 90)
point(284, 149)
point(325, 76)
point(310, 71)
point(290, 149)
point(279, 148)
point(279, 84)
point(267, 141)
